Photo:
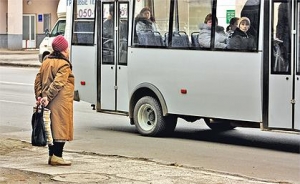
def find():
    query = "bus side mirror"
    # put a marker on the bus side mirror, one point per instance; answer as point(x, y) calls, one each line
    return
point(47, 32)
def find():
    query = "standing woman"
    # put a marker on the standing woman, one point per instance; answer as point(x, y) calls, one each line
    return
point(54, 88)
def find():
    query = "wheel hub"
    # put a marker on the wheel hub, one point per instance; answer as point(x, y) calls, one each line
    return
point(146, 116)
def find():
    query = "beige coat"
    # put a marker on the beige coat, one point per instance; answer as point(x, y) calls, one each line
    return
point(56, 81)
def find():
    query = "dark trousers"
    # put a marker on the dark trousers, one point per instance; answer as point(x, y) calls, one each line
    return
point(56, 149)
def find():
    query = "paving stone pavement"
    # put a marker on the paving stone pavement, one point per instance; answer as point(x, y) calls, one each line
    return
point(97, 168)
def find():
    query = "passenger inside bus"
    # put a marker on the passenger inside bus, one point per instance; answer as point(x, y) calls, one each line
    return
point(108, 29)
point(145, 21)
point(283, 33)
point(251, 10)
point(205, 34)
point(232, 26)
point(145, 29)
point(241, 40)
point(108, 25)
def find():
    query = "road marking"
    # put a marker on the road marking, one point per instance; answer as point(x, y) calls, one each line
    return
point(15, 83)
point(7, 101)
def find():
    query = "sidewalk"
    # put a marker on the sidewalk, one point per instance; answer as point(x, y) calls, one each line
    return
point(23, 58)
point(17, 156)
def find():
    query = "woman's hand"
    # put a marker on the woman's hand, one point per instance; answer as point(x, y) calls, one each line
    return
point(38, 101)
point(44, 101)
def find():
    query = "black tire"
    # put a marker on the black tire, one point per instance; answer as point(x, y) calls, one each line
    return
point(149, 120)
point(219, 125)
point(171, 124)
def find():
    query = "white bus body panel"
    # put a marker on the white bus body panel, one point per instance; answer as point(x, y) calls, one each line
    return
point(280, 108)
point(122, 93)
point(107, 87)
point(297, 105)
point(108, 96)
point(230, 94)
point(85, 61)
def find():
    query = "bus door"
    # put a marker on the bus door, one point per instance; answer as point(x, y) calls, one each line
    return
point(284, 84)
point(113, 56)
point(297, 58)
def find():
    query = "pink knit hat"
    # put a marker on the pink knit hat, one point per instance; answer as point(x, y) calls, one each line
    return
point(60, 43)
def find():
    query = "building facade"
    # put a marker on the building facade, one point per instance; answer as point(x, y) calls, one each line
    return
point(23, 22)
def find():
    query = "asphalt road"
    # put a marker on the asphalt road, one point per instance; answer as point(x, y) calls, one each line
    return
point(245, 152)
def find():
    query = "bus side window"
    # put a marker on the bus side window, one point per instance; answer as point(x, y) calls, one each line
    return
point(149, 28)
point(194, 39)
point(83, 32)
point(251, 10)
point(179, 39)
point(123, 33)
point(241, 39)
point(149, 38)
point(205, 33)
point(191, 16)
point(144, 26)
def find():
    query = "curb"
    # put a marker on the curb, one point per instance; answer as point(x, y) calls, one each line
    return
point(20, 65)
point(23, 51)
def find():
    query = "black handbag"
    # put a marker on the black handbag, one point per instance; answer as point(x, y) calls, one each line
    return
point(38, 136)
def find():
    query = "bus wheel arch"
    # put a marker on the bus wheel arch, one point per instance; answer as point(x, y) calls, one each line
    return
point(146, 89)
point(148, 112)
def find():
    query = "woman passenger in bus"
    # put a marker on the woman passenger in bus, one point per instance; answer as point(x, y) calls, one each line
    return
point(205, 34)
point(251, 11)
point(240, 38)
point(232, 26)
point(144, 21)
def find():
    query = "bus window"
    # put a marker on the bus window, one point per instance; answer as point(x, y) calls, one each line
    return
point(191, 16)
point(281, 39)
point(123, 32)
point(149, 26)
point(108, 33)
point(245, 36)
point(84, 24)
point(251, 10)
point(83, 32)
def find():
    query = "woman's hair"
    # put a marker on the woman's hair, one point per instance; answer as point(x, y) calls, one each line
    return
point(231, 23)
point(143, 11)
point(233, 20)
point(209, 17)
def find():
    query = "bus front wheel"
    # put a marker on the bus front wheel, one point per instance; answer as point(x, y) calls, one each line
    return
point(218, 124)
point(149, 120)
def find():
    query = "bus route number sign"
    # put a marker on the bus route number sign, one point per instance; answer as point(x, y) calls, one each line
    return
point(86, 9)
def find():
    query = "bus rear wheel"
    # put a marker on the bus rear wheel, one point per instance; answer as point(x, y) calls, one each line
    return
point(149, 120)
point(218, 124)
